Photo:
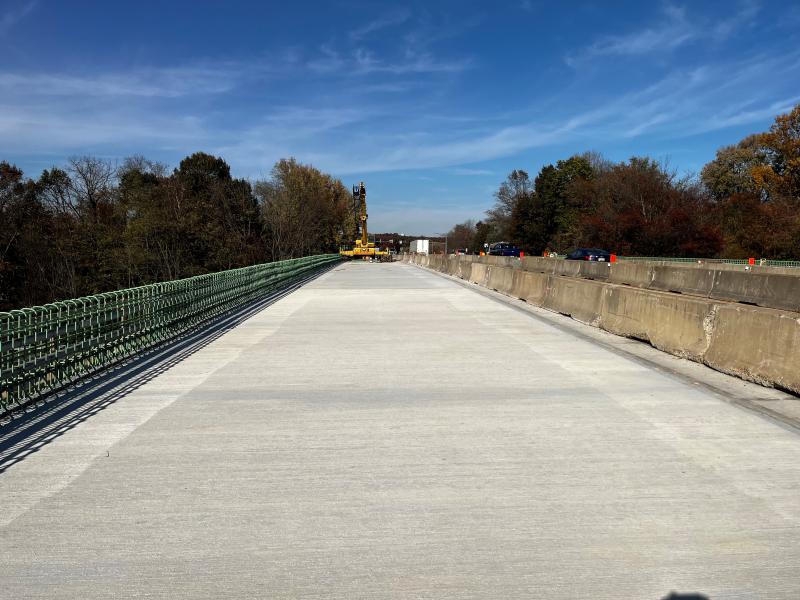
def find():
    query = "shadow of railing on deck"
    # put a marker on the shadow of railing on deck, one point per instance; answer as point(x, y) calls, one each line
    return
point(27, 432)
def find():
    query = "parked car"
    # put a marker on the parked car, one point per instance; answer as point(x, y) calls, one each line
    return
point(503, 249)
point(589, 254)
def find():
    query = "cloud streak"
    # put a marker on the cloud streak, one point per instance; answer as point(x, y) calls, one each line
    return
point(682, 104)
point(674, 30)
point(392, 19)
point(470, 172)
point(748, 10)
point(165, 83)
point(12, 17)
point(361, 61)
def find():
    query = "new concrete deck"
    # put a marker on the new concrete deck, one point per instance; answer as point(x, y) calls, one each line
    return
point(384, 432)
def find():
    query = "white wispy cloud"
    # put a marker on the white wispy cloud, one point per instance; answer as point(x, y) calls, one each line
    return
point(675, 29)
point(753, 112)
point(428, 33)
point(353, 134)
point(411, 54)
point(361, 61)
point(682, 104)
point(13, 16)
point(70, 130)
point(328, 61)
point(470, 172)
point(743, 17)
point(164, 82)
point(408, 121)
point(391, 19)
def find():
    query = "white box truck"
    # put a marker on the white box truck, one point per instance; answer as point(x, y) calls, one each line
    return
point(420, 247)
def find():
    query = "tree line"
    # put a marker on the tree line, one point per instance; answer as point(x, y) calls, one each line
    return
point(745, 202)
point(93, 226)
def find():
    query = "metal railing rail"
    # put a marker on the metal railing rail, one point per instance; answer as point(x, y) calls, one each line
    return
point(764, 262)
point(760, 262)
point(45, 348)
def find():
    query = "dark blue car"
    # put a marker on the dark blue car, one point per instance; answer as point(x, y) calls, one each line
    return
point(594, 254)
point(503, 249)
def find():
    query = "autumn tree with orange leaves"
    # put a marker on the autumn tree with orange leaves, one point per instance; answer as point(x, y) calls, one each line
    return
point(745, 203)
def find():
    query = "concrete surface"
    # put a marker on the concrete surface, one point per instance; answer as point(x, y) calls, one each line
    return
point(385, 432)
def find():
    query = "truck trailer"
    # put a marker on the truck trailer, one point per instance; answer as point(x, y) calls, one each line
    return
point(420, 247)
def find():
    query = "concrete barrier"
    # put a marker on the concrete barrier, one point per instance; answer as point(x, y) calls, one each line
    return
point(769, 287)
point(537, 263)
point(633, 274)
point(478, 273)
point(500, 279)
point(529, 286)
point(756, 343)
point(599, 271)
point(672, 323)
point(580, 299)
point(682, 280)
point(774, 290)
point(761, 286)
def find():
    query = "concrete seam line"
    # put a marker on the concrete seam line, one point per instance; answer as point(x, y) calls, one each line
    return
point(785, 421)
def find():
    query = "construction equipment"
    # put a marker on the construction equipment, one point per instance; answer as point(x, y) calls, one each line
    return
point(362, 247)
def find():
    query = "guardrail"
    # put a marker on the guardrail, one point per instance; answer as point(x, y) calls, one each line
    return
point(759, 262)
point(764, 262)
point(47, 348)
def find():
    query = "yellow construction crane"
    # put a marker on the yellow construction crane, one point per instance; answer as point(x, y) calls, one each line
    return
point(362, 247)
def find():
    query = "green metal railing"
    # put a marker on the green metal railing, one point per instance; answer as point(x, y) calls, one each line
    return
point(46, 348)
point(759, 262)
point(763, 262)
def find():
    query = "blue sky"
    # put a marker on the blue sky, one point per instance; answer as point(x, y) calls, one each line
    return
point(431, 103)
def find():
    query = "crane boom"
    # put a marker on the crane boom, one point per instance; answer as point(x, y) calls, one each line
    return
point(362, 212)
point(362, 247)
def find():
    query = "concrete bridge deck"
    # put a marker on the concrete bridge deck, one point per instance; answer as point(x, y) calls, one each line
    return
point(384, 432)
